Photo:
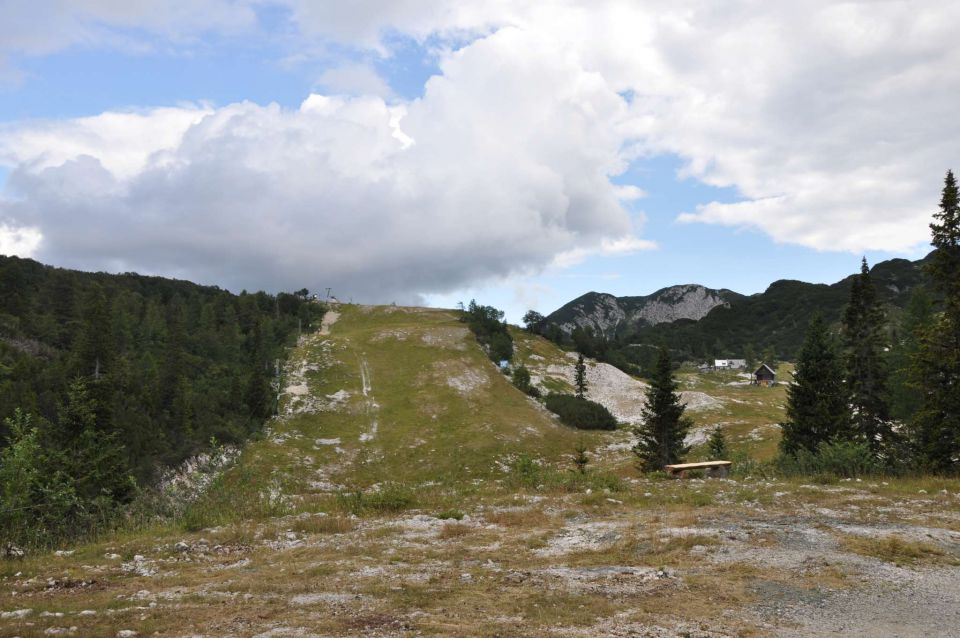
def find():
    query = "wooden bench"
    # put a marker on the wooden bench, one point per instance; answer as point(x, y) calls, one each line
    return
point(715, 469)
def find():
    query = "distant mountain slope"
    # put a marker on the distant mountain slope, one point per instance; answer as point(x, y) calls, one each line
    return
point(609, 315)
point(700, 323)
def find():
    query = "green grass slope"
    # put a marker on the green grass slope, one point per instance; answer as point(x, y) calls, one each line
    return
point(407, 489)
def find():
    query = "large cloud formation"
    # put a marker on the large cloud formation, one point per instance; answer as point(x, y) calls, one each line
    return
point(833, 121)
point(382, 201)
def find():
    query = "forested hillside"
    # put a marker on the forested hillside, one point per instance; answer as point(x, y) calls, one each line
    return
point(104, 377)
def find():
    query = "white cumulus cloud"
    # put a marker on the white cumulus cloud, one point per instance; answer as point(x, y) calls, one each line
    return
point(833, 121)
point(381, 200)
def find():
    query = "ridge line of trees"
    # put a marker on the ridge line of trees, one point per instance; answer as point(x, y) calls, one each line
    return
point(877, 400)
point(107, 379)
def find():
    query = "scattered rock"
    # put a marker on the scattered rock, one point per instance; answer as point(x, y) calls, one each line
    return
point(19, 613)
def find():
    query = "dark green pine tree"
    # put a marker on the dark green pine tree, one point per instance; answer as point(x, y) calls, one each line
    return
point(258, 395)
point(818, 408)
point(174, 386)
point(580, 377)
point(95, 354)
point(717, 444)
point(935, 430)
point(660, 436)
point(905, 386)
point(94, 460)
point(95, 342)
point(769, 357)
point(750, 356)
point(944, 266)
point(865, 342)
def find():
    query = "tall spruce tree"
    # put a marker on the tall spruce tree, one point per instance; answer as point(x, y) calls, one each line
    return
point(580, 377)
point(905, 385)
point(664, 427)
point(818, 408)
point(864, 343)
point(935, 429)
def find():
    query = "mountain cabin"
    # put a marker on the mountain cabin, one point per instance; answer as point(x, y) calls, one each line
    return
point(764, 375)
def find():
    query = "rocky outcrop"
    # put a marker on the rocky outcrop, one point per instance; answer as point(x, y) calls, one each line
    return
point(608, 314)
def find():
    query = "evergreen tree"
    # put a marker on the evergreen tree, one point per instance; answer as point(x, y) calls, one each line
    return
point(944, 267)
point(865, 343)
point(580, 458)
point(935, 429)
point(750, 356)
point(580, 377)
point(94, 348)
point(660, 436)
point(521, 378)
point(93, 459)
point(818, 408)
point(769, 357)
point(906, 388)
point(717, 444)
point(533, 321)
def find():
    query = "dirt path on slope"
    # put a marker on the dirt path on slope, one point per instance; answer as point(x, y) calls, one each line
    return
point(370, 405)
point(329, 318)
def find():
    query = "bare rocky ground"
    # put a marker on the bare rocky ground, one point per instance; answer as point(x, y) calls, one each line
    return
point(508, 552)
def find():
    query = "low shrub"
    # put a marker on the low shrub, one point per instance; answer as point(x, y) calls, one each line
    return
point(456, 515)
point(526, 472)
point(843, 459)
point(582, 414)
point(390, 498)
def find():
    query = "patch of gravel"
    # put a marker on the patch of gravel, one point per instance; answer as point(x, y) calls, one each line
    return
point(622, 625)
point(461, 376)
point(607, 580)
point(699, 401)
point(616, 390)
point(762, 432)
point(450, 338)
point(384, 335)
point(324, 598)
point(582, 537)
point(919, 603)
point(329, 318)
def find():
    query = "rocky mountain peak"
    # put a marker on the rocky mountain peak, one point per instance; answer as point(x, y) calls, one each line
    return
point(607, 314)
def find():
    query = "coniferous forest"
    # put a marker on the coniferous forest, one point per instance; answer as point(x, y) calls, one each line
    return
point(107, 379)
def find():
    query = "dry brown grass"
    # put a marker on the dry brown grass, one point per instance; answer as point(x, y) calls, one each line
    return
point(453, 530)
point(323, 525)
point(897, 550)
point(525, 518)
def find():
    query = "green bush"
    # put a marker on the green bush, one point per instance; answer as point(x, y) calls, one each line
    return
point(521, 379)
point(582, 414)
point(526, 472)
point(391, 498)
point(841, 459)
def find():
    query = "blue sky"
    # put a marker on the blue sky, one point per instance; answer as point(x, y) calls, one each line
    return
point(482, 187)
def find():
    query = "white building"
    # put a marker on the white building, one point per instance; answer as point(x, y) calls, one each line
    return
point(729, 364)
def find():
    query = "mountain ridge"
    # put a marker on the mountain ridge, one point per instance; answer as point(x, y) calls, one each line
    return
point(726, 322)
point(608, 314)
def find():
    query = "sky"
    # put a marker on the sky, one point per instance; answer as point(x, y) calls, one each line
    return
point(518, 152)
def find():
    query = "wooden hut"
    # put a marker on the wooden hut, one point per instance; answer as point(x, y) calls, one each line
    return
point(764, 375)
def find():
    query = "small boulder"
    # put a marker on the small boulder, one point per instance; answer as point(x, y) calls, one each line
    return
point(18, 613)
